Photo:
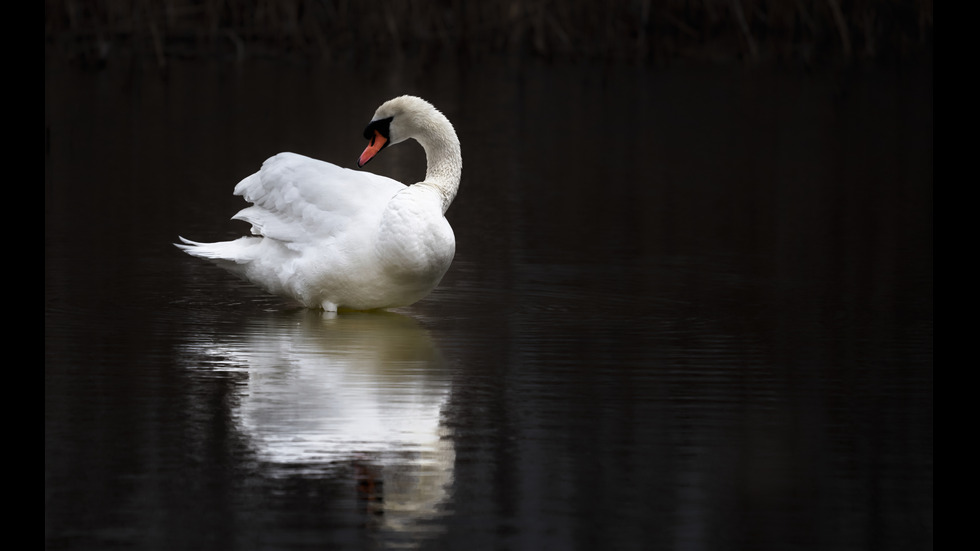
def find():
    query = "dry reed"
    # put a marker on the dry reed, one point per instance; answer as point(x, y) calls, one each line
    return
point(641, 30)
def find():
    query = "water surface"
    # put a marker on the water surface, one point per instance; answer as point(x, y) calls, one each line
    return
point(691, 308)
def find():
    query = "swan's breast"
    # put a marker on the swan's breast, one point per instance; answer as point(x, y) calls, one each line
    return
point(415, 241)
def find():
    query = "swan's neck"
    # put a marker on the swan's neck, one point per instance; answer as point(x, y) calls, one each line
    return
point(445, 164)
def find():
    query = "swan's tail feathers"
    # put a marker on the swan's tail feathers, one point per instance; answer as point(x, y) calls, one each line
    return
point(209, 251)
point(227, 254)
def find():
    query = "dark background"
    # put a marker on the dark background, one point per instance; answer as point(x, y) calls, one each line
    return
point(802, 32)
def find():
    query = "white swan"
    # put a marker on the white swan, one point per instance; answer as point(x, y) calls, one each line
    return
point(334, 238)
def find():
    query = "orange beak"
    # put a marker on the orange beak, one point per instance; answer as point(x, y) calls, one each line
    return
point(377, 142)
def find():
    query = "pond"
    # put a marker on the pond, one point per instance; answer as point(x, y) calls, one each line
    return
point(691, 308)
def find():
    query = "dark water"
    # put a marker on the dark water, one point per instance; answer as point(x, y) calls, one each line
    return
point(690, 309)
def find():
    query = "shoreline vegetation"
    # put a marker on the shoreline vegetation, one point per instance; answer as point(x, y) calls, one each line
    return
point(790, 32)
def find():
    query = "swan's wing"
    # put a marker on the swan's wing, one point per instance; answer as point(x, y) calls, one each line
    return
point(297, 199)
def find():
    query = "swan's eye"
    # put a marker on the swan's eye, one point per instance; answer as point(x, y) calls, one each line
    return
point(381, 126)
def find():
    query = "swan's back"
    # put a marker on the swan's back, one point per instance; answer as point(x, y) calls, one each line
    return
point(296, 199)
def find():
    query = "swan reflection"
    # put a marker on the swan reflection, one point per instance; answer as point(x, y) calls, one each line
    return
point(361, 389)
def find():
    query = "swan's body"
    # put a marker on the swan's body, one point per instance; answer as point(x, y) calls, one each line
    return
point(334, 238)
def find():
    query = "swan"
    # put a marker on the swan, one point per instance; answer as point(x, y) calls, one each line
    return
point(335, 238)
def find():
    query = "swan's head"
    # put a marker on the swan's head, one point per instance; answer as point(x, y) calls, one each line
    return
point(398, 120)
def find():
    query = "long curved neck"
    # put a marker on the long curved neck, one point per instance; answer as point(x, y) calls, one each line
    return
point(444, 161)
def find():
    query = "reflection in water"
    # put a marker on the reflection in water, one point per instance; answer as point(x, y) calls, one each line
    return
point(361, 389)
